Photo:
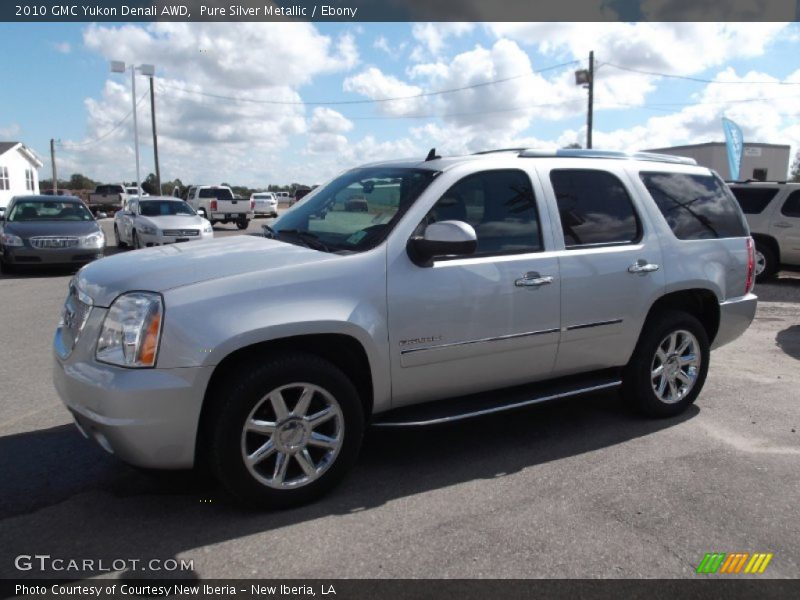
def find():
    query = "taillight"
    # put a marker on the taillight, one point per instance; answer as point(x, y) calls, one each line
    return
point(213, 205)
point(252, 204)
point(751, 266)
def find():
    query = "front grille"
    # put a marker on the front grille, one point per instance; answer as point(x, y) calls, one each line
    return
point(54, 242)
point(73, 317)
point(182, 232)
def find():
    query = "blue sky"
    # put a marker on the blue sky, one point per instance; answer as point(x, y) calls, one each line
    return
point(64, 90)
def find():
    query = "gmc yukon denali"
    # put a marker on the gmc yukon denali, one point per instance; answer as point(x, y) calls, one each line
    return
point(470, 285)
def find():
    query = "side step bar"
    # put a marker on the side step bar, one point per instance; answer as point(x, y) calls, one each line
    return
point(476, 405)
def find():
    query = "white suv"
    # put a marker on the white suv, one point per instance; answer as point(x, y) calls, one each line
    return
point(772, 210)
point(470, 285)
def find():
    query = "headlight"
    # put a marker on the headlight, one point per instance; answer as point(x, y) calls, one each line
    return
point(94, 240)
point(131, 330)
point(148, 229)
point(8, 239)
point(207, 228)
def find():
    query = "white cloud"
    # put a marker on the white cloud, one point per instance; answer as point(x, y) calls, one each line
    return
point(9, 132)
point(63, 47)
point(376, 85)
point(326, 120)
point(432, 37)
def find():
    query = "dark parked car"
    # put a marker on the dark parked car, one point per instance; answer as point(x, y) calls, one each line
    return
point(52, 230)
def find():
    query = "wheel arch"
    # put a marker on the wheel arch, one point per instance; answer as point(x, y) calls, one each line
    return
point(342, 350)
point(770, 242)
point(702, 303)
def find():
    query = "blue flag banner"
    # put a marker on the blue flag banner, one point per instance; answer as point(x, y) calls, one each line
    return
point(735, 143)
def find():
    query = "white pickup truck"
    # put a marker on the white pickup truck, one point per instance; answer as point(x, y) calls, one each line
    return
point(218, 204)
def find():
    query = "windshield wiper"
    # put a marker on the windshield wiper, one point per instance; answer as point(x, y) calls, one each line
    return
point(311, 240)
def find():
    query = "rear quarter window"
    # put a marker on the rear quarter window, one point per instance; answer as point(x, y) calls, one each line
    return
point(753, 200)
point(696, 207)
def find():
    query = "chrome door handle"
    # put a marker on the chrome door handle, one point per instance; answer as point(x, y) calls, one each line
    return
point(533, 279)
point(642, 266)
point(783, 224)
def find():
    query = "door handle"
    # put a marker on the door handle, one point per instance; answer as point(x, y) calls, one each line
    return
point(642, 266)
point(533, 279)
point(782, 224)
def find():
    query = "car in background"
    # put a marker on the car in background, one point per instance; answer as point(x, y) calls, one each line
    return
point(157, 221)
point(132, 191)
point(300, 193)
point(218, 204)
point(284, 198)
point(107, 198)
point(49, 230)
point(264, 203)
point(356, 204)
point(772, 209)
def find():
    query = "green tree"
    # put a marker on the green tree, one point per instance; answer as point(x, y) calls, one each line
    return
point(794, 174)
point(77, 181)
point(573, 145)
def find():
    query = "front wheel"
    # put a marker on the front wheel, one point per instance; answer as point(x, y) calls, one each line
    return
point(120, 243)
point(137, 243)
point(669, 365)
point(285, 433)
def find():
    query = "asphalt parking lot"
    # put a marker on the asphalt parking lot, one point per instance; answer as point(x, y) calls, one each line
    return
point(579, 488)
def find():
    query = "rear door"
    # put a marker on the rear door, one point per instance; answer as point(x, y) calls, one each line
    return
point(785, 227)
point(610, 265)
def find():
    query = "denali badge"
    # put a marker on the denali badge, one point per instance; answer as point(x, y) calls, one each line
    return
point(421, 340)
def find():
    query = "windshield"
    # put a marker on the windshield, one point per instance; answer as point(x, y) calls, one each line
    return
point(357, 210)
point(159, 208)
point(109, 189)
point(49, 211)
point(218, 193)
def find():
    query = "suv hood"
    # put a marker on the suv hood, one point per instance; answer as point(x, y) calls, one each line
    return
point(165, 267)
point(175, 221)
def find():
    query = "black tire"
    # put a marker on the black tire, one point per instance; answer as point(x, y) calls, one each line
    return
point(236, 398)
point(770, 262)
point(135, 241)
point(242, 224)
point(638, 388)
point(120, 243)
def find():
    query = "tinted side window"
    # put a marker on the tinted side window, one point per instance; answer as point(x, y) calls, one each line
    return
point(791, 208)
point(753, 200)
point(594, 207)
point(500, 205)
point(696, 207)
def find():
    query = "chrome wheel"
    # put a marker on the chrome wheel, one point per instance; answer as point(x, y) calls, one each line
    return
point(761, 262)
point(675, 366)
point(285, 447)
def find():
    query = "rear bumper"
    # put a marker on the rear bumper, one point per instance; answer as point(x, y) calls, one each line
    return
point(735, 316)
point(231, 216)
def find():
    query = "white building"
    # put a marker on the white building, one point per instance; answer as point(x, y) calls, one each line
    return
point(764, 162)
point(19, 171)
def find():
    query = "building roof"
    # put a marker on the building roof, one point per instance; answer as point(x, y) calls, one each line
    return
point(716, 144)
point(27, 152)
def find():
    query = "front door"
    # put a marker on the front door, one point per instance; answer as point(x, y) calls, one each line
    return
point(489, 320)
point(785, 226)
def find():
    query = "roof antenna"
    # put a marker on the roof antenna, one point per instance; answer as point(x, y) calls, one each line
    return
point(432, 155)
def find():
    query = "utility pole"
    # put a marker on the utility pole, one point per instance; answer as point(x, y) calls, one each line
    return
point(589, 115)
point(135, 131)
point(53, 163)
point(155, 135)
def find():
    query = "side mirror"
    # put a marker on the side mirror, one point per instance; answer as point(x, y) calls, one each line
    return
point(101, 215)
point(445, 238)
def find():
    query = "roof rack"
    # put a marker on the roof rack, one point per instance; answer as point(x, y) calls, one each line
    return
point(756, 181)
point(585, 153)
point(498, 150)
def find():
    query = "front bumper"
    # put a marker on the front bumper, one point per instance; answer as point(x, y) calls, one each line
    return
point(26, 255)
point(146, 417)
point(149, 240)
point(735, 316)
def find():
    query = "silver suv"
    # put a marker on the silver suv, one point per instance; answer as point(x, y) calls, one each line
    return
point(470, 285)
point(772, 210)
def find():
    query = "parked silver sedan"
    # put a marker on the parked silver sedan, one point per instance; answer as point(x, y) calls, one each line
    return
point(156, 221)
point(44, 230)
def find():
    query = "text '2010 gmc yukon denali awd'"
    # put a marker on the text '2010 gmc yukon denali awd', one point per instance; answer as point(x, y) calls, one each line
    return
point(544, 274)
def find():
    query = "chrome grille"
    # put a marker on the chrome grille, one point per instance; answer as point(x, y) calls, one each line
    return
point(182, 232)
point(54, 242)
point(74, 316)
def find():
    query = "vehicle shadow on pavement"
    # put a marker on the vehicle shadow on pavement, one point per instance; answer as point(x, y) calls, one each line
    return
point(788, 340)
point(781, 289)
point(68, 498)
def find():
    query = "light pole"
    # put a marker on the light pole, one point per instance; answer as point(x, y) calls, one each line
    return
point(118, 66)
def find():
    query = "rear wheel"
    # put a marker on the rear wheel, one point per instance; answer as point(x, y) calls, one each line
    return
point(137, 243)
point(242, 223)
point(766, 262)
point(287, 432)
point(669, 365)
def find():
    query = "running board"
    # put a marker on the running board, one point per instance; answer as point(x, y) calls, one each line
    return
point(476, 405)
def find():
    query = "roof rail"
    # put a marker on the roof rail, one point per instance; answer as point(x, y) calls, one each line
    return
point(498, 150)
point(585, 153)
point(758, 181)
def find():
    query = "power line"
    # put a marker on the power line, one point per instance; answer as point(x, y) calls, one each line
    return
point(370, 101)
point(106, 134)
point(697, 79)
